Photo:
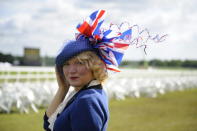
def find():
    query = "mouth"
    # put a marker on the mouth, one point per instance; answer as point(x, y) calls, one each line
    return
point(73, 78)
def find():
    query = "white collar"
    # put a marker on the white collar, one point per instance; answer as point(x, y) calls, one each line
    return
point(93, 83)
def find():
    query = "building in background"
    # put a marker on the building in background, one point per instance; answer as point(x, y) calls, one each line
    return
point(32, 57)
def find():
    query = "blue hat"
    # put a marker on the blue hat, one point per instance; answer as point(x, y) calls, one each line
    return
point(71, 49)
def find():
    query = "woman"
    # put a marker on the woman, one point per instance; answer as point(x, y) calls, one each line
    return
point(87, 106)
point(83, 64)
point(79, 65)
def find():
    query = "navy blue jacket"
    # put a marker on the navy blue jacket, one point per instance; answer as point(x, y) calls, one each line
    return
point(86, 111)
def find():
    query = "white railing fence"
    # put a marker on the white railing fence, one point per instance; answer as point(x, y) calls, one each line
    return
point(24, 73)
point(25, 88)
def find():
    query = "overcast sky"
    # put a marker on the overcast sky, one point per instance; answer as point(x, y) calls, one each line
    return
point(46, 24)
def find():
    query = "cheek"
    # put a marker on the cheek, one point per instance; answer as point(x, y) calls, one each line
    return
point(65, 72)
point(84, 71)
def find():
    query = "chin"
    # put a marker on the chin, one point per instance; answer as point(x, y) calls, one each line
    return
point(76, 84)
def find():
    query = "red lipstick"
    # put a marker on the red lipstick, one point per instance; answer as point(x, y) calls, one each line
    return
point(73, 78)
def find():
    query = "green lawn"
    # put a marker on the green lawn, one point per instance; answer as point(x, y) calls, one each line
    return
point(176, 111)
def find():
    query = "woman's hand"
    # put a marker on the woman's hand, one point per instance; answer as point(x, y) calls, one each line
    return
point(62, 83)
point(60, 94)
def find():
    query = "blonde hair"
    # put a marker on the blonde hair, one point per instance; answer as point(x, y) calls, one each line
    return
point(95, 64)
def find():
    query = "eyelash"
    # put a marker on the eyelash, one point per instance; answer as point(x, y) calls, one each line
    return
point(80, 63)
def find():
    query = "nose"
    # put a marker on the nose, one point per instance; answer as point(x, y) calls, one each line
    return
point(72, 69)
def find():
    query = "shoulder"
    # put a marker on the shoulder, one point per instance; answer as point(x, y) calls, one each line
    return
point(91, 98)
point(92, 94)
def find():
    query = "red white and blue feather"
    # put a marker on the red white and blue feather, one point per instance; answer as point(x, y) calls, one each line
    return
point(111, 42)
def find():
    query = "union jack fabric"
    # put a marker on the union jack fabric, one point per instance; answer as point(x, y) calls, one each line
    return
point(111, 42)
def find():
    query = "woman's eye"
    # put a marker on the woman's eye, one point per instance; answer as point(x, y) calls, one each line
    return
point(80, 63)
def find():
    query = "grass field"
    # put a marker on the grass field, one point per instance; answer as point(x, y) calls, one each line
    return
point(175, 111)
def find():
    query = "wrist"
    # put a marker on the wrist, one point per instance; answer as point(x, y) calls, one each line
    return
point(62, 92)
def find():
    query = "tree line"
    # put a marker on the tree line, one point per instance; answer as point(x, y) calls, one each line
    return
point(50, 61)
point(161, 63)
point(19, 60)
